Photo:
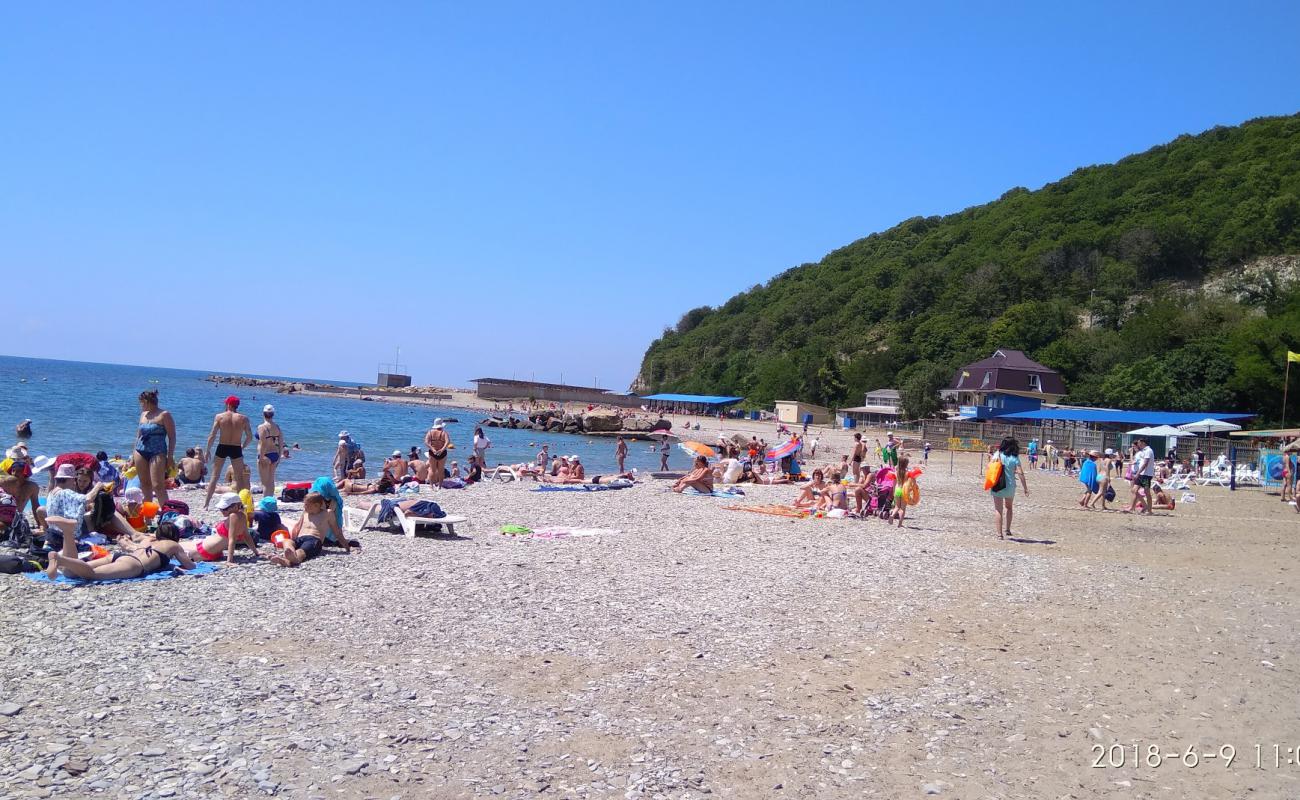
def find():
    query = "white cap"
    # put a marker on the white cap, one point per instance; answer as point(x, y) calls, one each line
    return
point(343, 434)
point(268, 409)
point(397, 453)
point(437, 423)
point(227, 500)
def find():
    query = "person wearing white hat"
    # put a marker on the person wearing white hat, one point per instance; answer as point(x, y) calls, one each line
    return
point(230, 532)
point(438, 443)
point(341, 460)
point(395, 467)
point(270, 443)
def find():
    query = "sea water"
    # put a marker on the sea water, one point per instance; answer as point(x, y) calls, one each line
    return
point(85, 407)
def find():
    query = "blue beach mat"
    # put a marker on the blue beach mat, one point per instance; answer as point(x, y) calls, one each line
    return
point(200, 568)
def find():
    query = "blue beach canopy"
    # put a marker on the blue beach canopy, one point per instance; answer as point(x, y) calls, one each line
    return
point(704, 399)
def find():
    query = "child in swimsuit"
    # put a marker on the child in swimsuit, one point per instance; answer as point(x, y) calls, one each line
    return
point(231, 532)
point(310, 533)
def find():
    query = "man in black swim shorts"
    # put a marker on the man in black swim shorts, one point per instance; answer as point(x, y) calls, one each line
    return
point(233, 433)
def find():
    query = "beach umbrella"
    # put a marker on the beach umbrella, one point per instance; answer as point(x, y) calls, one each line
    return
point(1209, 426)
point(784, 449)
point(697, 449)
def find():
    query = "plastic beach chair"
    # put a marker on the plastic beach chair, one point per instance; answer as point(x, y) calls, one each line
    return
point(356, 521)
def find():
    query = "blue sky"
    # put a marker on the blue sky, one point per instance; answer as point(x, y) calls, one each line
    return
point(539, 188)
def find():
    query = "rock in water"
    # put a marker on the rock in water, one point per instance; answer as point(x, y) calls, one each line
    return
point(601, 420)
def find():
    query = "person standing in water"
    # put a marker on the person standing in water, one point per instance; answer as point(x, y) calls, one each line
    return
point(620, 454)
point(270, 443)
point(232, 433)
point(438, 443)
point(155, 447)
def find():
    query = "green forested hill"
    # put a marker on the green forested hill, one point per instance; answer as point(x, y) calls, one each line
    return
point(1128, 278)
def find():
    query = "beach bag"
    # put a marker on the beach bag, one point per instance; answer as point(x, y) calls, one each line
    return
point(179, 506)
point(294, 492)
point(20, 534)
point(1110, 493)
point(995, 478)
point(11, 564)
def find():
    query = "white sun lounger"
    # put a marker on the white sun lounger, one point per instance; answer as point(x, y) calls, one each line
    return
point(356, 521)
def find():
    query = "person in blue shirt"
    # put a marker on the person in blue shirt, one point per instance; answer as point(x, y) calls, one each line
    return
point(1009, 454)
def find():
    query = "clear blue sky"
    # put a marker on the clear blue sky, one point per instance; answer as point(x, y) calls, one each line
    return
point(520, 188)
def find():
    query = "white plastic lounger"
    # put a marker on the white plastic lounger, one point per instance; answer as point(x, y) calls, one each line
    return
point(356, 521)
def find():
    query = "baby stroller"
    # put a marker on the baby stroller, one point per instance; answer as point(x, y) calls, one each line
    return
point(883, 501)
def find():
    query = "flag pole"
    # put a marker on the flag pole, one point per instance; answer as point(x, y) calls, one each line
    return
point(1286, 384)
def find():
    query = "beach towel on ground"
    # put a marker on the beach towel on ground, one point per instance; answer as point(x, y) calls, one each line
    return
point(771, 510)
point(728, 493)
point(200, 568)
point(584, 487)
point(561, 532)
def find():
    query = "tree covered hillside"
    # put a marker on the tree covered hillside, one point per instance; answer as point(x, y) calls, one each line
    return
point(1102, 275)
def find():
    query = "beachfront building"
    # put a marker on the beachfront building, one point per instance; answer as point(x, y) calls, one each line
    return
point(794, 412)
point(510, 389)
point(880, 407)
point(1006, 382)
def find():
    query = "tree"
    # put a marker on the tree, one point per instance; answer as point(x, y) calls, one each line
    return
point(919, 390)
point(827, 388)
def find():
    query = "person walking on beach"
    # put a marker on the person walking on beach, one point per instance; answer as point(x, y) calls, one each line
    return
point(620, 453)
point(232, 432)
point(663, 456)
point(859, 453)
point(1144, 470)
point(438, 443)
point(270, 441)
point(481, 445)
point(343, 456)
point(1009, 454)
point(155, 447)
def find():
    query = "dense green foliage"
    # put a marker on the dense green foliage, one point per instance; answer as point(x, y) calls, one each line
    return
point(1098, 275)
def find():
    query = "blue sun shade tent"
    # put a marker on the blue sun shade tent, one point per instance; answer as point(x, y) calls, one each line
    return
point(1119, 416)
point(703, 399)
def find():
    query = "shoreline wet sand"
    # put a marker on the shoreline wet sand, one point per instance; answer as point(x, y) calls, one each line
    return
point(699, 651)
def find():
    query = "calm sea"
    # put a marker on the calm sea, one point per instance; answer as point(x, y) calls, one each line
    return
point(77, 406)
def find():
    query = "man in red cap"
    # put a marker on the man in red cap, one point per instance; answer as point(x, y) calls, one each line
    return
point(235, 434)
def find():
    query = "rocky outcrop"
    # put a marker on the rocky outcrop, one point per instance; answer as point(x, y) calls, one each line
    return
point(602, 421)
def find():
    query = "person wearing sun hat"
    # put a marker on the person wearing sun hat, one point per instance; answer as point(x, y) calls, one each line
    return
point(230, 532)
point(65, 510)
point(270, 441)
point(266, 518)
point(232, 432)
point(438, 443)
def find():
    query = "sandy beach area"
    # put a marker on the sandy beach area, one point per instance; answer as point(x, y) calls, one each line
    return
point(698, 651)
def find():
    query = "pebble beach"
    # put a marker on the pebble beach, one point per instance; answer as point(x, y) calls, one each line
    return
point(690, 651)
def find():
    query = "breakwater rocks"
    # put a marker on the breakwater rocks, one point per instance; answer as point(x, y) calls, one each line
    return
point(290, 387)
point(596, 422)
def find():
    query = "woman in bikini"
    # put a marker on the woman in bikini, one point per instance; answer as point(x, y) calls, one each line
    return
point(700, 478)
point(136, 560)
point(839, 493)
point(438, 443)
point(815, 494)
point(155, 447)
point(230, 532)
point(270, 442)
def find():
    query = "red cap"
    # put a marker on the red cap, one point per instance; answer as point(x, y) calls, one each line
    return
point(232, 401)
